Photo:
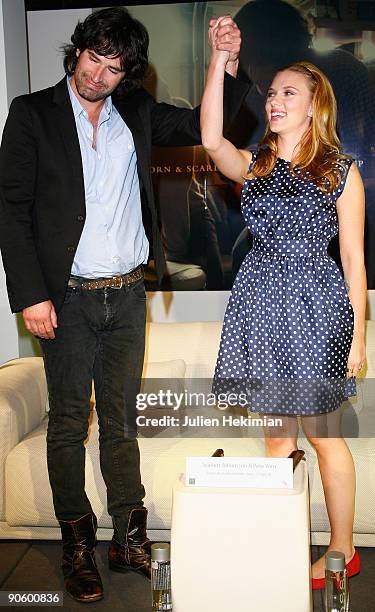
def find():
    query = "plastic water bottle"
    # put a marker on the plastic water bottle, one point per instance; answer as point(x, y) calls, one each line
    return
point(336, 583)
point(161, 577)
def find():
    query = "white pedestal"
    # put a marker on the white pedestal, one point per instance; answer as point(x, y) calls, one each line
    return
point(241, 550)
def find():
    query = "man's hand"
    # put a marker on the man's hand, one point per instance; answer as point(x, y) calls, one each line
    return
point(225, 40)
point(40, 319)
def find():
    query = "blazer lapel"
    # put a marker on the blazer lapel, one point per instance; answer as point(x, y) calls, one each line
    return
point(66, 124)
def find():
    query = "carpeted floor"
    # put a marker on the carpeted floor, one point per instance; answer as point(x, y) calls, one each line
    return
point(33, 566)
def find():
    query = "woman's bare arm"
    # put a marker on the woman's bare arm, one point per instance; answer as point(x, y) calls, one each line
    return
point(351, 216)
point(232, 162)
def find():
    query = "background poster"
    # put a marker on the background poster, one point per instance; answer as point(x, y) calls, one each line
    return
point(204, 235)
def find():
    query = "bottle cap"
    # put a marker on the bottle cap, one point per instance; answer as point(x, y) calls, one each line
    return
point(160, 551)
point(335, 561)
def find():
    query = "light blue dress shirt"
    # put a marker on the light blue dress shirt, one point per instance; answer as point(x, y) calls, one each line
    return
point(113, 240)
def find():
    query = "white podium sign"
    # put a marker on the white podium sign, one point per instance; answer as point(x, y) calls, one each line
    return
point(249, 472)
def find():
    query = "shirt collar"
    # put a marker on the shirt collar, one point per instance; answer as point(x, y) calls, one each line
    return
point(77, 107)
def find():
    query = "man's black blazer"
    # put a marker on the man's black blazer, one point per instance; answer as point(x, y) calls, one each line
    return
point(42, 190)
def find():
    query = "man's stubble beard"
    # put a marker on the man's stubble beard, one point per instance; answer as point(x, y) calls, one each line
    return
point(89, 94)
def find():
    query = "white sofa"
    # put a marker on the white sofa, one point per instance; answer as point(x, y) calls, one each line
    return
point(174, 350)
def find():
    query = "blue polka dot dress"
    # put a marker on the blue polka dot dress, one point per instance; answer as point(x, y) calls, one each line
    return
point(289, 323)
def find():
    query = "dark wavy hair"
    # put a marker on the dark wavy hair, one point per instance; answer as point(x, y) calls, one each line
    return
point(112, 32)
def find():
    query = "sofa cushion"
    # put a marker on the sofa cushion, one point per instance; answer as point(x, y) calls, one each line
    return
point(23, 396)
point(29, 499)
point(174, 368)
point(197, 343)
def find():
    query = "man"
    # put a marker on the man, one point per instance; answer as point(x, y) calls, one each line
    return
point(77, 222)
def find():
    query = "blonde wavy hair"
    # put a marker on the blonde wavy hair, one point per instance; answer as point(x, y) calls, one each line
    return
point(320, 155)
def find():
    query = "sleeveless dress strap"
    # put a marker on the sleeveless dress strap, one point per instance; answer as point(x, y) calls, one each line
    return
point(254, 154)
point(344, 175)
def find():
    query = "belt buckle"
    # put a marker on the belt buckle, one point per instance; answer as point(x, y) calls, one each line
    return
point(119, 281)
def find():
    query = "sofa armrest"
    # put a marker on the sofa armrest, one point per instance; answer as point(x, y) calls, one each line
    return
point(23, 399)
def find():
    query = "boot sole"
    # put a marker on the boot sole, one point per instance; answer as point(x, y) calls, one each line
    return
point(123, 569)
point(86, 599)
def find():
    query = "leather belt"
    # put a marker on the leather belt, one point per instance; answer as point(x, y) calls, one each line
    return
point(115, 282)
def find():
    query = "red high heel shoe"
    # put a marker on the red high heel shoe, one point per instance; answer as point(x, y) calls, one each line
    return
point(352, 569)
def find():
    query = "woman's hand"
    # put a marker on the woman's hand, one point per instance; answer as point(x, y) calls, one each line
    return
point(357, 356)
point(225, 41)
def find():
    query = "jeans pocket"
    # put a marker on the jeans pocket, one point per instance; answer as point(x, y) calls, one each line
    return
point(138, 290)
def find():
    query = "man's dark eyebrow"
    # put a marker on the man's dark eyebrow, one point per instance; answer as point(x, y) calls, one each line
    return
point(96, 56)
point(115, 69)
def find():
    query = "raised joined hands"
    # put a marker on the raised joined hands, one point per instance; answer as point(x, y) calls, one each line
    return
point(225, 40)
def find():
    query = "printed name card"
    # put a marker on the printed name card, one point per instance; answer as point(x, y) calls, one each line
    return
point(250, 472)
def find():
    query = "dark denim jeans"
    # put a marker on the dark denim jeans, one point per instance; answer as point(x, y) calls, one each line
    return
point(100, 336)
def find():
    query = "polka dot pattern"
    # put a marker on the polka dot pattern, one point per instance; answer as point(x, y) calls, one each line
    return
point(289, 323)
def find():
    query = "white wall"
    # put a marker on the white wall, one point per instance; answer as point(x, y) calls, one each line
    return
point(13, 81)
point(47, 31)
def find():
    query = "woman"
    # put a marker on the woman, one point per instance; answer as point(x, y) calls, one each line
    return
point(294, 330)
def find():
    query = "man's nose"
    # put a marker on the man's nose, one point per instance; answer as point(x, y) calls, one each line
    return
point(97, 74)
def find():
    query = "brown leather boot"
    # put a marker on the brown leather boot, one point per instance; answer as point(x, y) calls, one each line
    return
point(134, 553)
point(81, 576)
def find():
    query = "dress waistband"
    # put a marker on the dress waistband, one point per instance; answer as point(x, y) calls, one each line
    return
point(291, 248)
